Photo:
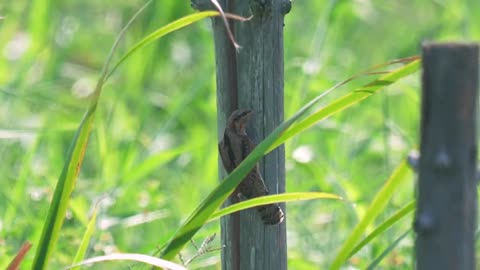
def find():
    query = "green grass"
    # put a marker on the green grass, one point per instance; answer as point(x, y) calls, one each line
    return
point(151, 152)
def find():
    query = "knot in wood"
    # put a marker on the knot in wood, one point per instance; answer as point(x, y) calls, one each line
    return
point(424, 223)
point(285, 6)
point(442, 161)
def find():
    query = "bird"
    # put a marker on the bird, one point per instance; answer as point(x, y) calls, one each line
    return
point(234, 147)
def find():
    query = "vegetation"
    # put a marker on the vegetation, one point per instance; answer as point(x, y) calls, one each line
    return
point(151, 159)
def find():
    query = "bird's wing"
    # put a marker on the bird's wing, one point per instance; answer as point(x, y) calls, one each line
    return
point(223, 149)
point(250, 145)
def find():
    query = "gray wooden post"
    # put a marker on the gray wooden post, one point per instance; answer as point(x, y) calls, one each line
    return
point(252, 78)
point(445, 220)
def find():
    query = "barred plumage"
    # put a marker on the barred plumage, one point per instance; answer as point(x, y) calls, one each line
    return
point(234, 148)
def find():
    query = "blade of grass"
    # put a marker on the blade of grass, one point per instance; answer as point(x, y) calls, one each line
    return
point(175, 25)
point(76, 153)
point(132, 257)
point(15, 263)
point(63, 189)
point(375, 263)
point(378, 204)
point(407, 209)
point(284, 197)
point(82, 249)
point(213, 201)
point(73, 163)
point(351, 98)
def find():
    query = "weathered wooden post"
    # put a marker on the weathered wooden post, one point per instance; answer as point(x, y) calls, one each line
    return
point(445, 220)
point(252, 78)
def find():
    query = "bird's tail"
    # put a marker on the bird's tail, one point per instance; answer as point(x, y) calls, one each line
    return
point(271, 214)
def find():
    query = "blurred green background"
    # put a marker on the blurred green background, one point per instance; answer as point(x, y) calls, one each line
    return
point(152, 155)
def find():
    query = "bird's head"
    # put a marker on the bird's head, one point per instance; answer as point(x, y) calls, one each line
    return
point(238, 120)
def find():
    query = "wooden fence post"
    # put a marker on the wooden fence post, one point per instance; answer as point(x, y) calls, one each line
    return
point(445, 221)
point(252, 78)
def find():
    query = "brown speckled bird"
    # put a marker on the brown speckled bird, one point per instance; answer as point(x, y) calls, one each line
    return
point(234, 148)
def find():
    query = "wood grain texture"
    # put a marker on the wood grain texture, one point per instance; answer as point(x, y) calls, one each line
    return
point(445, 221)
point(253, 79)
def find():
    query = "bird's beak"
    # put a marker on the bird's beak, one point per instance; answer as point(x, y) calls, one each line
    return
point(248, 115)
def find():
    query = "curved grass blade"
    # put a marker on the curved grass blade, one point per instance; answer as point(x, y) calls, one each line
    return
point(214, 200)
point(63, 189)
point(407, 209)
point(375, 263)
point(277, 198)
point(82, 250)
point(71, 168)
point(132, 257)
point(376, 207)
point(352, 98)
point(76, 152)
point(175, 25)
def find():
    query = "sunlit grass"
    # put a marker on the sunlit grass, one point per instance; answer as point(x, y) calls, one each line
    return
point(152, 148)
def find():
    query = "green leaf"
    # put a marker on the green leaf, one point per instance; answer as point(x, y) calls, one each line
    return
point(407, 209)
point(284, 197)
point(64, 188)
point(378, 204)
point(66, 181)
point(351, 98)
point(71, 168)
point(175, 25)
point(377, 260)
point(82, 250)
